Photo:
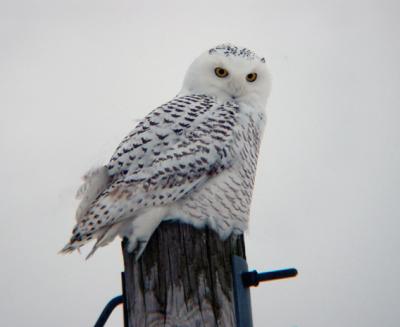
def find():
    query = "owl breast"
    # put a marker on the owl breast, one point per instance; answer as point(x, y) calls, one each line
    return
point(223, 202)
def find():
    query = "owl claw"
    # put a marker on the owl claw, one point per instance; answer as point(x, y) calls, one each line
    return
point(137, 247)
point(132, 245)
point(140, 248)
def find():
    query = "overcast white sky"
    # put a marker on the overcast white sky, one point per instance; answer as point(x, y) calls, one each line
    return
point(74, 75)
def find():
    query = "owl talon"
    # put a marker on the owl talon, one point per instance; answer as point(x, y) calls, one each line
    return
point(136, 247)
point(140, 248)
point(132, 244)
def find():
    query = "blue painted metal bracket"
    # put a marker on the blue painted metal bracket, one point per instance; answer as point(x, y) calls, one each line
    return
point(241, 293)
point(105, 314)
point(242, 280)
point(111, 305)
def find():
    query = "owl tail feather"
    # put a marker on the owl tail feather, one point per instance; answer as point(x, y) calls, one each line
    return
point(104, 238)
point(70, 247)
point(97, 245)
point(73, 244)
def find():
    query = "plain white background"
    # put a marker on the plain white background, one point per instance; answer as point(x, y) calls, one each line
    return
point(74, 76)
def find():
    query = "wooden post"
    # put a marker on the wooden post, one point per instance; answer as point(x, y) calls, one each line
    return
point(184, 278)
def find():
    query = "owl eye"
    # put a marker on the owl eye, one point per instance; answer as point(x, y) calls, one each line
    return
point(251, 77)
point(221, 72)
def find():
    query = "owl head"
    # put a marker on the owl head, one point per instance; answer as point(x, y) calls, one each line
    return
point(230, 73)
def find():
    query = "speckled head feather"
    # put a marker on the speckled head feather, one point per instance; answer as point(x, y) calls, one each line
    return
point(228, 49)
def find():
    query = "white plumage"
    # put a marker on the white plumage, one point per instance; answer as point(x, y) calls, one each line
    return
point(192, 159)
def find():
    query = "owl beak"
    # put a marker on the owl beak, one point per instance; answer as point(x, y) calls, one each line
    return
point(235, 88)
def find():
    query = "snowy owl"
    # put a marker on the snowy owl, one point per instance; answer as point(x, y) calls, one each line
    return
point(192, 159)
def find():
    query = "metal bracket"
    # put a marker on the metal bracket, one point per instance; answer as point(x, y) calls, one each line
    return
point(243, 279)
point(105, 314)
point(112, 304)
point(241, 293)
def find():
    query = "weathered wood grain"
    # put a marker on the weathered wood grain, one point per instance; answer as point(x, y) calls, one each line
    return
point(184, 278)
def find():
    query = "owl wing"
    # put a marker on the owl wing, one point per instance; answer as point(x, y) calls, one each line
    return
point(158, 132)
point(168, 171)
